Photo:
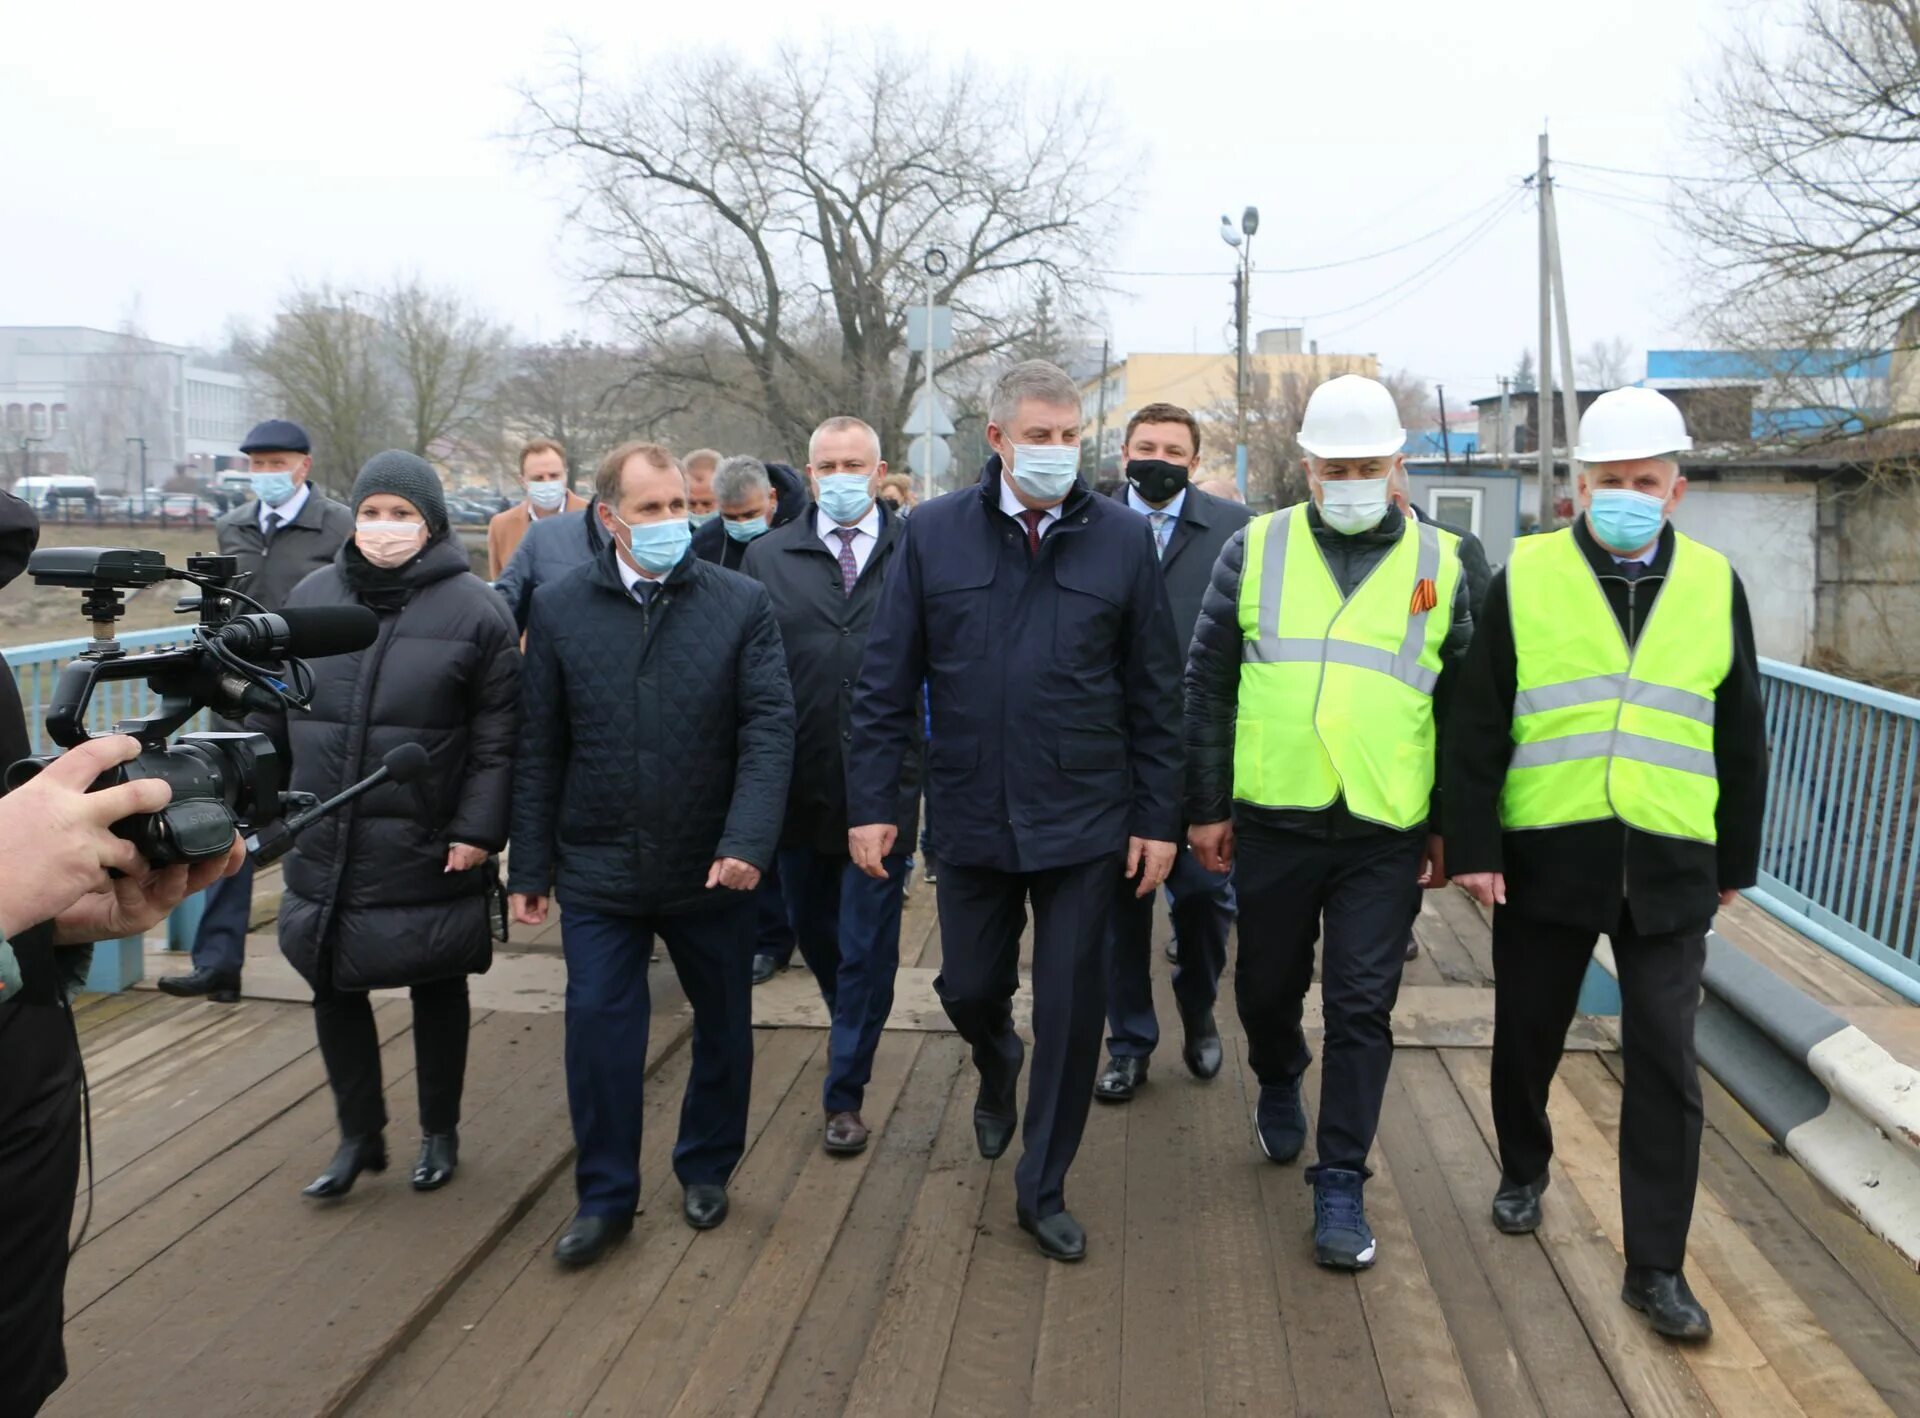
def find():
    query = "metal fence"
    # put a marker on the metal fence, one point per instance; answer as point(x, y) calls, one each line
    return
point(1840, 850)
point(36, 668)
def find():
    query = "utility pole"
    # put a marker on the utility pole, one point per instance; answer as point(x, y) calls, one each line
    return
point(1505, 448)
point(1543, 389)
point(1446, 444)
point(926, 476)
point(1100, 426)
point(1242, 242)
point(1569, 386)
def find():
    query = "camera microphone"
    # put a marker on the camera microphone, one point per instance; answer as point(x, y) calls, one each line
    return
point(300, 632)
point(408, 763)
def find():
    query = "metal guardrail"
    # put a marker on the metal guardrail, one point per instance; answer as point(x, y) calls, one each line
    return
point(1840, 849)
point(36, 668)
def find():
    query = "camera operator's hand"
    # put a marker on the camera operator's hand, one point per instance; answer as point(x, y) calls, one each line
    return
point(134, 904)
point(56, 838)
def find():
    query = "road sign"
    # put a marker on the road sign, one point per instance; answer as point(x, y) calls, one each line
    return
point(917, 420)
point(930, 464)
point(917, 327)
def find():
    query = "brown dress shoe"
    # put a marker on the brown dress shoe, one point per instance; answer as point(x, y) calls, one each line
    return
point(846, 1134)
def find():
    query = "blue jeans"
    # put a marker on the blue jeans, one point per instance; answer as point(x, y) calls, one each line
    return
point(847, 925)
point(1203, 907)
point(609, 1008)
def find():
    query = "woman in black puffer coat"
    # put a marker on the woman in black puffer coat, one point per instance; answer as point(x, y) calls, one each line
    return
point(393, 889)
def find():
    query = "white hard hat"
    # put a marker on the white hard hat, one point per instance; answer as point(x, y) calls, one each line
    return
point(1624, 424)
point(1352, 417)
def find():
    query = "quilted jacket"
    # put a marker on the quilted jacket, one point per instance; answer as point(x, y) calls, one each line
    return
point(653, 738)
point(369, 882)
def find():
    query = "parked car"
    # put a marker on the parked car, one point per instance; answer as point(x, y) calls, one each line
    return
point(185, 507)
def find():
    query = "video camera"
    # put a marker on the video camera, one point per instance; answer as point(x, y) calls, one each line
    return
point(238, 662)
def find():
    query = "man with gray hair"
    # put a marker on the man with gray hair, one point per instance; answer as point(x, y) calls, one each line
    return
point(753, 498)
point(1036, 618)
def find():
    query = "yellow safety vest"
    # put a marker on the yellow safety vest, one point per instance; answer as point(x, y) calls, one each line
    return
point(1601, 731)
point(1336, 695)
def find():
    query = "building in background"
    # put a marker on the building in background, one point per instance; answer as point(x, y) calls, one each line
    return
point(1280, 372)
point(76, 401)
point(1793, 394)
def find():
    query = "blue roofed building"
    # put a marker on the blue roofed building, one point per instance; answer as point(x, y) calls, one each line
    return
point(1796, 393)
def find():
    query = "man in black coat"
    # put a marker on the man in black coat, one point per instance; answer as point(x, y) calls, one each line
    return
point(825, 571)
point(552, 547)
point(1035, 615)
point(1161, 450)
point(290, 530)
point(1557, 885)
point(656, 743)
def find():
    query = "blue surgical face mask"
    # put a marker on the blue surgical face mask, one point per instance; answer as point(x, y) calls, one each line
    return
point(746, 531)
point(1046, 471)
point(845, 497)
point(273, 488)
point(658, 546)
point(1625, 521)
point(700, 519)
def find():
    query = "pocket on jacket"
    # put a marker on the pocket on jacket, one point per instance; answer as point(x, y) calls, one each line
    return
point(959, 610)
point(1087, 621)
point(1092, 752)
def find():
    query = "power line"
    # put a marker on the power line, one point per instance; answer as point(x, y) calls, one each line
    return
point(1707, 181)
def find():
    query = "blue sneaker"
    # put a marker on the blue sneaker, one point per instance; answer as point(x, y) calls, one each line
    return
point(1342, 1240)
point(1280, 1122)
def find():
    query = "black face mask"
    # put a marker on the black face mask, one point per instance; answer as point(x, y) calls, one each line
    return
point(1155, 479)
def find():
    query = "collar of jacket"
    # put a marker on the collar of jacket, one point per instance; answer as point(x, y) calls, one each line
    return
point(1197, 510)
point(607, 574)
point(1603, 562)
point(990, 492)
point(1387, 529)
point(803, 533)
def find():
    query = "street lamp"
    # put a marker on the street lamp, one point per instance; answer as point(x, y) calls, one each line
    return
point(934, 263)
point(1242, 242)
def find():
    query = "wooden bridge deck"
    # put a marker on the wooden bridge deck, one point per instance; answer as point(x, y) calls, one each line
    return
point(897, 1283)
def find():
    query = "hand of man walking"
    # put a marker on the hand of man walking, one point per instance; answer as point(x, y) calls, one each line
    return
point(1728, 897)
point(1212, 843)
point(528, 910)
point(1150, 861)
point(868, 846)
point(1433, 863)
point(733, 874)
point(1489, 888)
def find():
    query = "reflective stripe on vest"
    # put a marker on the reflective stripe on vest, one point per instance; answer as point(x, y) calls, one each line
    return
point(1336, 695)
point(1603, 731)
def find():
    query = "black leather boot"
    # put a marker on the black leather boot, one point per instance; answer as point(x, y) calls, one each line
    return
point(1665, 1298)
point(365, 1153)
point(439, 1154)
point(1516, 1205)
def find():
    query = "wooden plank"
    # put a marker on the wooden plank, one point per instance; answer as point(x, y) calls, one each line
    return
point(1076, 1364)
point(898, 1375)
point(736, 1368)
point(1823, 974)
point(92, 1013)
point(1441, 946)
point(1486, 1353)
point(1565, 1372)
point(1649, 1372)
point(556, 1333)
point(817, 1373)
point(1815, 1368)
point(1462, 916)
point(155, 1037)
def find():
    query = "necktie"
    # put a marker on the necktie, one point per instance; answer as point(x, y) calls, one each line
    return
point(274, 524)
point(1033, 516)
point(1632, 570)
point(849, 568)
point(1159, 521)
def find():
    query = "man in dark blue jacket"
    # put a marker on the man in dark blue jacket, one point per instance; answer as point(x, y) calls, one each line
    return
point(1035, 614)
point(552, 547)
point(655, 747)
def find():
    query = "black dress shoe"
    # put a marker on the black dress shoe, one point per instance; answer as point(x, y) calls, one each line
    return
point(1664, 1298)
point(216, 985)
point(992, 1134)
point(705, 1206)
point(439, 1154)
point(1058, 1236)
point(1202, 1049)
point(1123, 1075)
point(590, 1237)
point(765, 967)
point(1413, 948)
point(997, 1112)
point(366, 1153)
point(1516, 1206)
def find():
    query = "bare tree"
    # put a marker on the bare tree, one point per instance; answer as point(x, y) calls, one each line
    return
point(1275, 406)
point(1525, 378)
point(123, 393)
point(785, 210)
point(1413, 397)
point(1605, 364)
point(324, 363)
point(1807, 218)
point(446, 358)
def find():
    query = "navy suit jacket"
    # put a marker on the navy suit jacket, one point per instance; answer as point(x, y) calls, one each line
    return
point(1054, 684)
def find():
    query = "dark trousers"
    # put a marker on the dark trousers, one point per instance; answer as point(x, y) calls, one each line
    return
point(1202, 906)
point(773, 917)
point(1357, 896)
point(350, 1045)
point(1538, 966)
point(847, 925)
point(221, 942)
point(39, 1170)
point(609, 1008)
point(982, 913)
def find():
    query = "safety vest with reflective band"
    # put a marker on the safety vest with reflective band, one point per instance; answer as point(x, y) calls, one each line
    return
point(1336, 694)
point(1604, 731)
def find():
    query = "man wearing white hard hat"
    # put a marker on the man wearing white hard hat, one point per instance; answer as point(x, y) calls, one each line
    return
point(1606, 768)
point(1317, 676)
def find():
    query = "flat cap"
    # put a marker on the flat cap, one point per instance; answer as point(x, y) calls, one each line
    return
point(277, 436)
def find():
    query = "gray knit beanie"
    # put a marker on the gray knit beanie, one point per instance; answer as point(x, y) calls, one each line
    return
point(404, 475)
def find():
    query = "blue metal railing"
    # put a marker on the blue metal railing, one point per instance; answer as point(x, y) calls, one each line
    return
point(1840, 848)
point(36, 668)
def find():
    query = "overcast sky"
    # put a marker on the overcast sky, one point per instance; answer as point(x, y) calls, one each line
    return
point(189, 163)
